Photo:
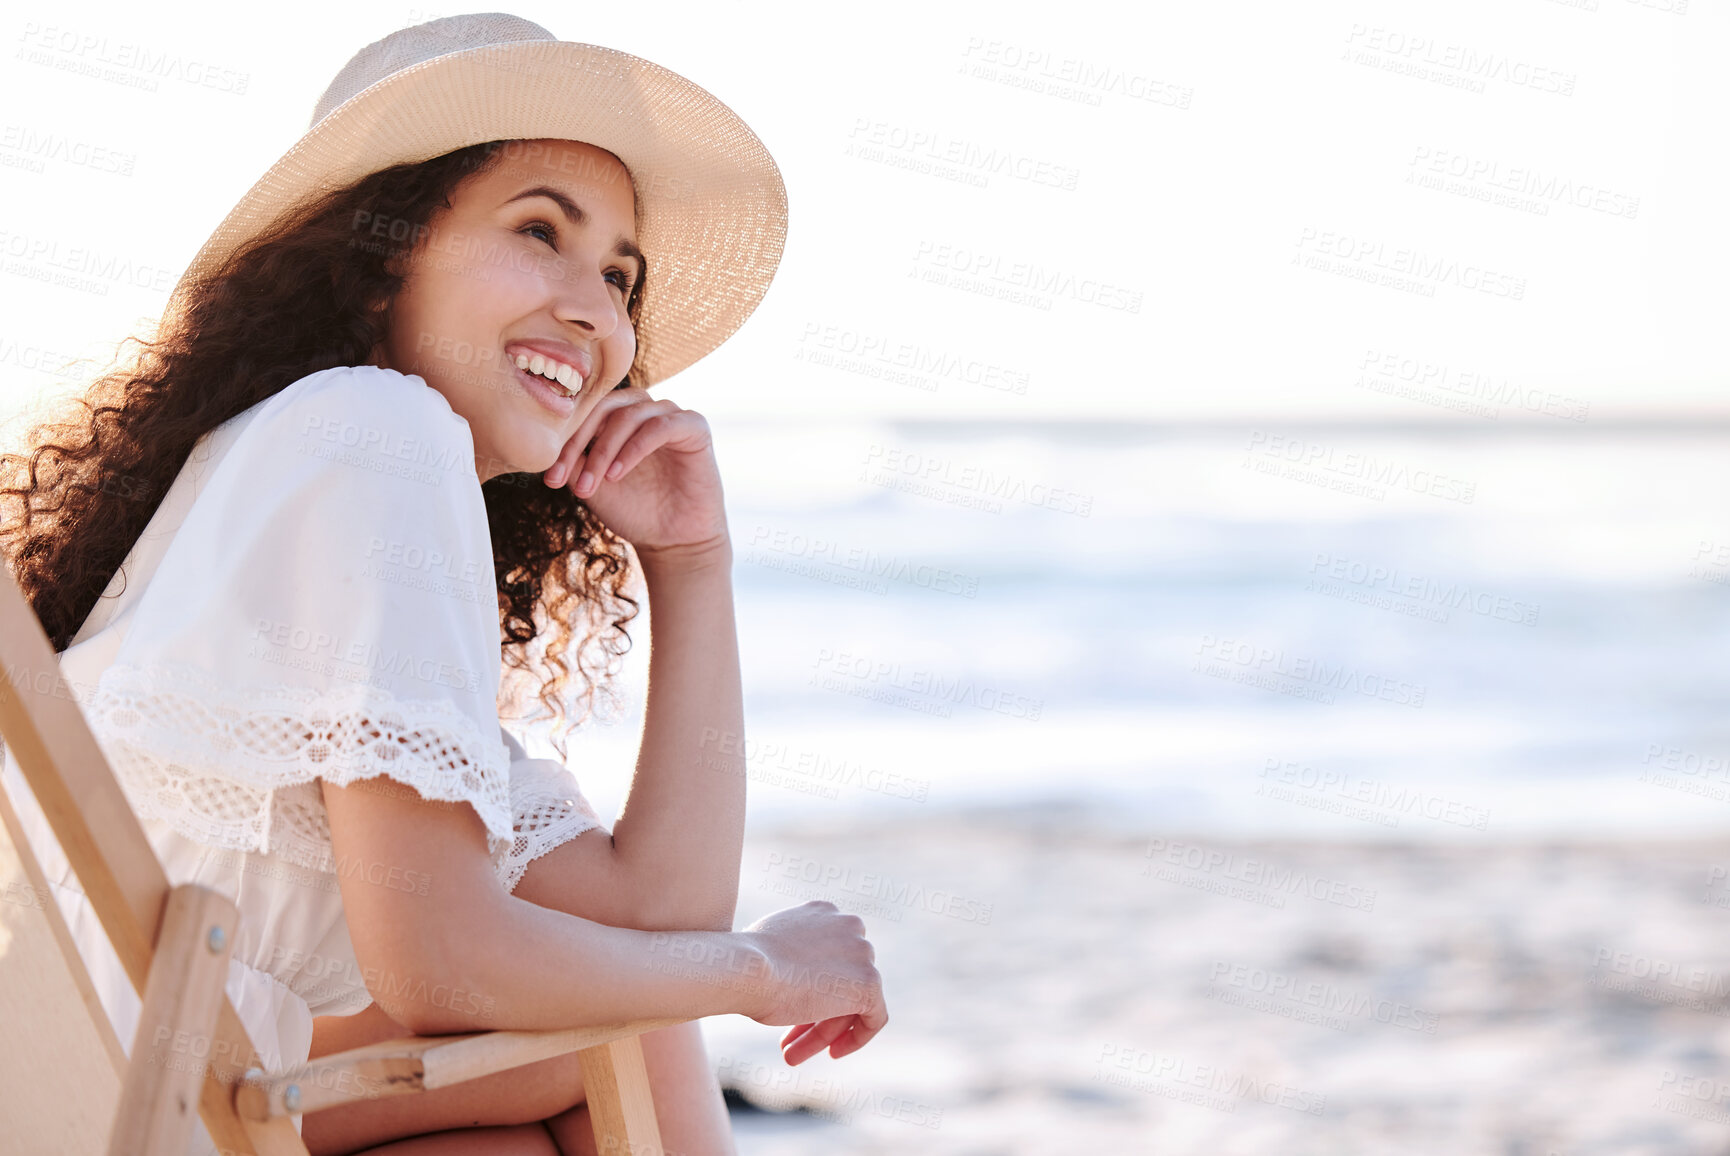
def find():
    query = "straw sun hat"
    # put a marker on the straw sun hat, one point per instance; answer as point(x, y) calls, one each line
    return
point(712, 208)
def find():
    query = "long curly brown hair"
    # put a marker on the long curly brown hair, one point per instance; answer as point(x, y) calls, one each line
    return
point(304, 295)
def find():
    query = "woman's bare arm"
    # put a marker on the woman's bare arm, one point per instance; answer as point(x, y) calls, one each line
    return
point(461, 954)
point(679, 837)
point(673, 859)
point(467, 956)
point(647, 469)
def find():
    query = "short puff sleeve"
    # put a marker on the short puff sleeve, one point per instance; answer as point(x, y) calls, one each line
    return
point(327, 610)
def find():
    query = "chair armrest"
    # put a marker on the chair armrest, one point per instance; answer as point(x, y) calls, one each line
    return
point(414, 1064)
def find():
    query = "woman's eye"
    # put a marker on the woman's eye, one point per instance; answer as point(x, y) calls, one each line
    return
point(624, 281)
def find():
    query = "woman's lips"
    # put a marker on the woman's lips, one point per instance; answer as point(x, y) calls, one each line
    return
point(564, 369)
point(552, 396)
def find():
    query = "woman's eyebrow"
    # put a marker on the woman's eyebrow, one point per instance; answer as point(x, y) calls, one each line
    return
point(578, 217)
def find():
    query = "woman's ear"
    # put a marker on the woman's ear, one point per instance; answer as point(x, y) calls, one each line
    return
point(378, 312)
point(396, 266)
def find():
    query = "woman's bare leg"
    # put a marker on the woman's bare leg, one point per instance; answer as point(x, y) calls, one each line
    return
point(525, 1095)
point(521, 1140)
point(688, 1104)
point(689, 1110)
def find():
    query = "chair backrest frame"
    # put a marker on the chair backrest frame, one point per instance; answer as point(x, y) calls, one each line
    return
point(55, 1023)
point(45, 729)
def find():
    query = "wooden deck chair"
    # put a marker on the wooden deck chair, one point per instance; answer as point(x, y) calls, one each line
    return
point(66, 1086)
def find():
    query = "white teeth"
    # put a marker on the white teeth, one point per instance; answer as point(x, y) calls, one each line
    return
point(565, 376)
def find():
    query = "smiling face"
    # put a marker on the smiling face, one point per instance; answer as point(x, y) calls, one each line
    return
point(514, 305)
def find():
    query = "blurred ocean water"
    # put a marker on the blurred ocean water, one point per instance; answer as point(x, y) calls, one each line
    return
point(1406, 632)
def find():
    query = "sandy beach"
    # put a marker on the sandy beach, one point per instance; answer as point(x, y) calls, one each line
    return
point(1056, 985)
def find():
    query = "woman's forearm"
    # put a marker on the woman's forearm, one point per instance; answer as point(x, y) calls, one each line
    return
point(528, 967)
point(680, 834)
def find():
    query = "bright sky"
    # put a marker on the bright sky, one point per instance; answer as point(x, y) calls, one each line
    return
point(1212, 195)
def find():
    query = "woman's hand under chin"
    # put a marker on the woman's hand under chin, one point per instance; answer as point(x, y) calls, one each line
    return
point(649, 472)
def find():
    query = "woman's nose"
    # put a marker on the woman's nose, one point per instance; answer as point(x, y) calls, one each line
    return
point(587, 299)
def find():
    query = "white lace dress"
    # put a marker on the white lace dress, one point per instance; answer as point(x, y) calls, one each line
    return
point(313, 600)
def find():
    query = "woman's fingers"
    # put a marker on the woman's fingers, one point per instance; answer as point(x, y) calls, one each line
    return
point(651, 425)
point(564, 465)
point(851, 1040)
point(864, 1029)
point(570, 460)
point(819, 1037)
point(842, 1035)
point(609, 404)
point(793, 1034)
point(654, 433)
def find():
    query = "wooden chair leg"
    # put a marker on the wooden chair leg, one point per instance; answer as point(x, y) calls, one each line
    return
point(176, 1026)
point(616, 1086)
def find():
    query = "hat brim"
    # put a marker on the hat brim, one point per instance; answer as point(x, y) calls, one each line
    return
point(712, 208)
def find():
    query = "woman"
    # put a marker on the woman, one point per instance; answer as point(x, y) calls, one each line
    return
point(366, 409)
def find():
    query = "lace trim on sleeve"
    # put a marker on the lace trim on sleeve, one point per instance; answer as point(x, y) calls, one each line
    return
point(547, 809)
point(543, 823)
point(208, 760)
